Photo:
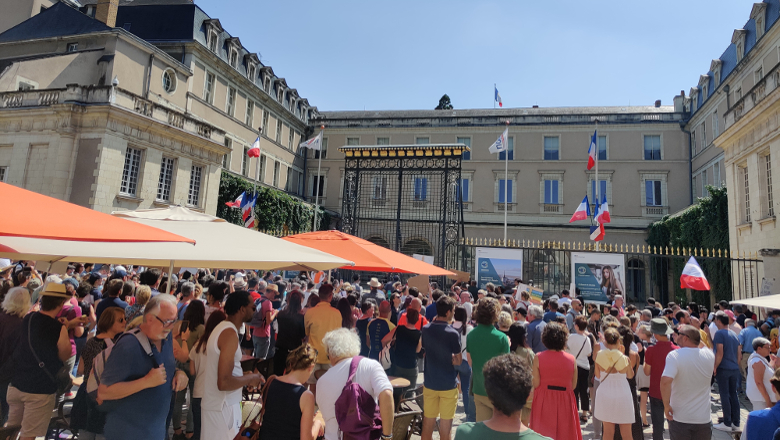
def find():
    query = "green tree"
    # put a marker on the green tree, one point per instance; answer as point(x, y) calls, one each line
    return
point(275, 211)
point(444, 103)
point(701, 226)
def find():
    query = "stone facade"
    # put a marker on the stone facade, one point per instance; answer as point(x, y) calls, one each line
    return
point(534, 211)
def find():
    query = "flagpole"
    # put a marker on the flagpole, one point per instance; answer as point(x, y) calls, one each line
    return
point(317, 184)
point(598, 184)
point(257, 174)
point(494, 95)
point(506, 179)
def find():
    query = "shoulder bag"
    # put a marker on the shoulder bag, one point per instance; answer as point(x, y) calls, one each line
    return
point(63, 380)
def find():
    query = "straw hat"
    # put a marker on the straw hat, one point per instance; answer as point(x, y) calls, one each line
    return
point(54, 289)
point(374, 283)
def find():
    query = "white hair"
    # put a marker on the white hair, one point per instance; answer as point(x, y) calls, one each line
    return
point(17, 301)
point(262, 285)
point(536, 311)
point(153, 306)
point(341, 343)
point(187, 289)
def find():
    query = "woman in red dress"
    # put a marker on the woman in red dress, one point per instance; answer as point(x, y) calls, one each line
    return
point(554, 412)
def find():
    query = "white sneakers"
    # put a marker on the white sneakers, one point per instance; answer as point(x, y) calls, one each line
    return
point(723, 427)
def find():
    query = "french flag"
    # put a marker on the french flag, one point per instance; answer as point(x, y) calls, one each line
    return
point(593, 151)
point(582, 212)
point(597, 232)
point(693, 277)
point(498, 97)
point(247, 211)
point(237, 202)
point(602, 214)
point(255, 150)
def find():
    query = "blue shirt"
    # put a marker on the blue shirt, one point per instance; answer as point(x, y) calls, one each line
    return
point(763, 424)
point(551, 316)
point(141, 415)
point(534, 335)
point(430, 311)
point(440, 342)
point(109, 302)
point(746, 337)
point(377, 329)
point(730, 349)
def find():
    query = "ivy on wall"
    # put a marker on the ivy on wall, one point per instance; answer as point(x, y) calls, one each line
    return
point(701, 226)
point(275, 210)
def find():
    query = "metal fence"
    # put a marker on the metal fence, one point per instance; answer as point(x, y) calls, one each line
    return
point(649, 271)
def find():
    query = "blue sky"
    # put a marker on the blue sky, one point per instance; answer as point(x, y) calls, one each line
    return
point(389, 55)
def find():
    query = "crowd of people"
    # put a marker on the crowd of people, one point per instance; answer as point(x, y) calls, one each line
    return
point(162, 353)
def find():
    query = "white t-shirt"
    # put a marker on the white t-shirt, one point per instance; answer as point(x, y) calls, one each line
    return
point(198, 360)
point(369, 375)
point(469, 309)
point(564, 300)
point(457, 325)
point(691, 371)
point(751, 388)
point(573, 346)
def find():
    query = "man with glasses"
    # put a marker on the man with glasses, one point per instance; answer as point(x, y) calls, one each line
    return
point(685, 386)
point(136, 385)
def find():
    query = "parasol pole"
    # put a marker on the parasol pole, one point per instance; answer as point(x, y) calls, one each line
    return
point(317, 184)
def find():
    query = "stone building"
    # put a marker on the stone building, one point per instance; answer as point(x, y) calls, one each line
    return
point(135, 104)
point(643, 168)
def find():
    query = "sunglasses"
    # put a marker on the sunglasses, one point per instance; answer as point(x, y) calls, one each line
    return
point(165, 323)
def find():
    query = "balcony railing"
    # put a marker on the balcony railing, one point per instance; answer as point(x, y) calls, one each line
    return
point(76, 94)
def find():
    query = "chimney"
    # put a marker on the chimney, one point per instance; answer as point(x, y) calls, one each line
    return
point(106, 11)
point(657, 102)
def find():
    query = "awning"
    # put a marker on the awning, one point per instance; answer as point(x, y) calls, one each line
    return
point(32, 215)
point(366, 255)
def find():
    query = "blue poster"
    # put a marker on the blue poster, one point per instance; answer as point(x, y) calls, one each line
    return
point(498, 266)
point(598, 275)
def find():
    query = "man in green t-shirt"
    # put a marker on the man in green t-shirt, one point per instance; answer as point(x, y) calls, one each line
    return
point(508, 383)
point(482, 344)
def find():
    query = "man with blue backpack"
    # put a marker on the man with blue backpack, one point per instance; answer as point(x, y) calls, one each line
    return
point(139, 376)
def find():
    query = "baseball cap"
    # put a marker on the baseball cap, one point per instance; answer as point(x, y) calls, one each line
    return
point(730, 314)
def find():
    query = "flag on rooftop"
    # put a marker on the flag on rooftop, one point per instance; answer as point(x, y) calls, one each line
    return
point(255, 150)
point(237, 202)
point(593, 151)
point(582, 212)
point(693, 277)
point(498, 97)
point(314, 143)
point(500, 144)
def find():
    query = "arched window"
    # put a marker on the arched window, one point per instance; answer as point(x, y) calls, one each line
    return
point(635, 280)
point(379, 241)
point(417, 246)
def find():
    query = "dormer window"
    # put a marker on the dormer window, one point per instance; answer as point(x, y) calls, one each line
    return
point(91, 11)
point(704, 82)
point(251, 60)
point(213, 29)
point(212, 41)
point(233, 46)
point(279, 93)
point(233, 61)
point(758, 14)
point(738, 39)
point(267, 85)
point(694, 98)
point(715, 68)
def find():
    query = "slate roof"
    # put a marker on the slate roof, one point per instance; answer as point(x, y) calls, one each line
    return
point(58, 21)
point(141, 2)
point(542, 111)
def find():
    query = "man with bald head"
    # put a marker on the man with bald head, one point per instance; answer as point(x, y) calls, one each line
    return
point(685, 386)
point(574, 311)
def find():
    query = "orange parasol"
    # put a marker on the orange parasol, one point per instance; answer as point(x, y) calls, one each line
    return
point(34, 215)
point(366, 255)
